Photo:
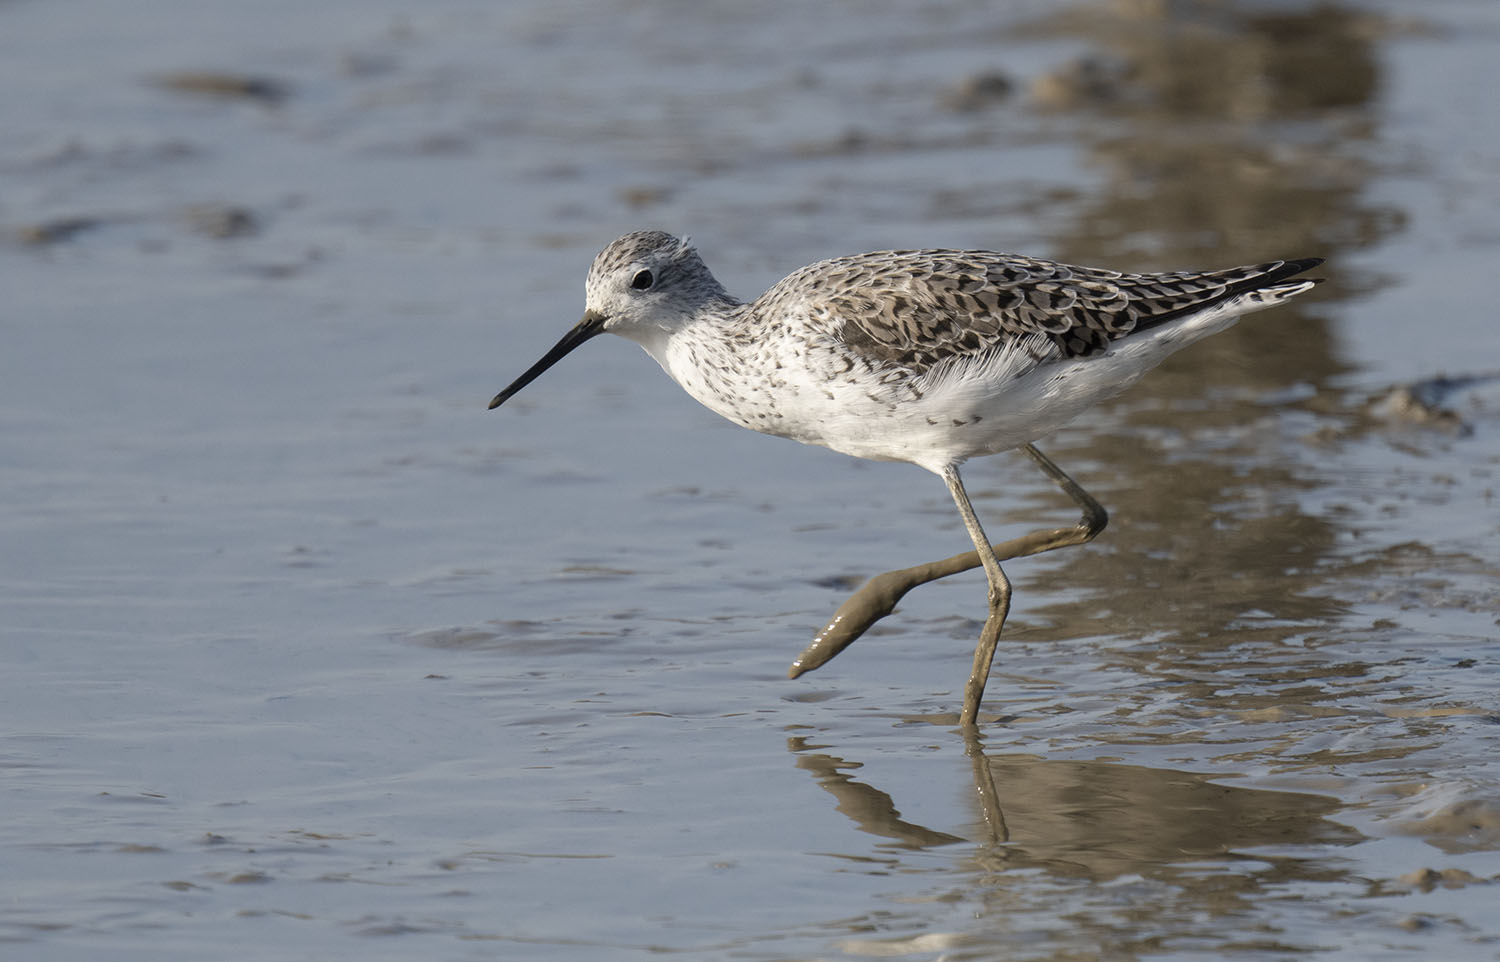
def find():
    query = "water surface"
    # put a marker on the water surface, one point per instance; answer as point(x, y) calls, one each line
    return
point(308, 655)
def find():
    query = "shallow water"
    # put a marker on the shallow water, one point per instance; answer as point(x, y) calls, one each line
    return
point(307, 655)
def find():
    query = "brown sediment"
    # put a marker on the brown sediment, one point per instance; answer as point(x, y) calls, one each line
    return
point(216, 83)
point(55, 231)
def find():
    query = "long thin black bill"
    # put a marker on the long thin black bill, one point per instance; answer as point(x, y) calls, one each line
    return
point(591, 325)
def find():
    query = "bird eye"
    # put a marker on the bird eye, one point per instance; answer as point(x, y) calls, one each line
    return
point(642, 280)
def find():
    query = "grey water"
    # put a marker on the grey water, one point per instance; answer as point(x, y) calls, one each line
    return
point(305, 654)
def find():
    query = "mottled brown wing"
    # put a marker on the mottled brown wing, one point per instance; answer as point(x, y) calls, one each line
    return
point(913, 309)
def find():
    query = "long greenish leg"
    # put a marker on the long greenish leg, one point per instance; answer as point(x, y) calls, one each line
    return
point(999, 595)
point(879, 596)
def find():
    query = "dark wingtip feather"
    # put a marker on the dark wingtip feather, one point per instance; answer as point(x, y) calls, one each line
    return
point(1296, 266)
point(1271, 274)
point(1284, 270)
point(1300, 264)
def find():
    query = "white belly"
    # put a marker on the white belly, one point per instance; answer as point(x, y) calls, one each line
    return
point(969, 408)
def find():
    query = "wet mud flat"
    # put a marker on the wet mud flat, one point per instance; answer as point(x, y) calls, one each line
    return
point(306, 654)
